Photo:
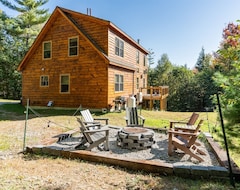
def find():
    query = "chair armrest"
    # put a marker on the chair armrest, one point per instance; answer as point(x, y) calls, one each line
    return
point(181, 133)
point(141, 117)
point(174, 122)
point(92, 123)
point(97, 130)
point(102, 119)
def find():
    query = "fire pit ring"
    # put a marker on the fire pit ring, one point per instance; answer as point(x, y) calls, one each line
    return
point(135, 138)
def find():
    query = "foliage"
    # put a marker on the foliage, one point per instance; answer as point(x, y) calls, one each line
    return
point(17, 34)
point(228, 76)
point(188, 90)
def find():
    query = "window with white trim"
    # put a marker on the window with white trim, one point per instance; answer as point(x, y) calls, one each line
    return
point(119, 47)
point(137, 56)
point(118, 83)
point(47, 50)
point(137, 83)
point(44, 81)
point(64, 83)
point(73, 46)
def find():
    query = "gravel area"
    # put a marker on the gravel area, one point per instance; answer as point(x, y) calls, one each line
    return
point(158, 151)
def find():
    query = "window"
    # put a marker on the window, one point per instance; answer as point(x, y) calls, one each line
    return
point(144, 83)
point(137, 83)
point(144, 60)
point(119, 47)
point(64, 80)
point(44, 81)
point(118, 82)
point(137, 56)
point(73, 46)
point(47, 50)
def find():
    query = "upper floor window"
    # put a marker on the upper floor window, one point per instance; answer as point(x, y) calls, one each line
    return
point(144, 60)
point(64, 83)
point(137, 83)
point(44, 81)
point(118, 82)
point(137, 56)
point(47, 50)
point(119, 47)
point(73, 46)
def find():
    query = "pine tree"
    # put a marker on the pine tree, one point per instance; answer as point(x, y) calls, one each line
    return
point(28, 23)
point(200, 62)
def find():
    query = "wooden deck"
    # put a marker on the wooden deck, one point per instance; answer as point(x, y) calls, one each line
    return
point(150, 94)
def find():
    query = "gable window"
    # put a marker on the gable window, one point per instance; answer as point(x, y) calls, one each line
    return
point(64, 83)
point(137, 56)
point(118, 83)
point(119, 47)
point(47, 50)
point(44, 81)
point(73, 46)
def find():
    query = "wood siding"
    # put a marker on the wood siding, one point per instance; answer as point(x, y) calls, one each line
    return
point(129, 58)
point(128, 77)
point(88, 72)
point(91, 72)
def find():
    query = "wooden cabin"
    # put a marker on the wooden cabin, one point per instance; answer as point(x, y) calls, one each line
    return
point(78, 59)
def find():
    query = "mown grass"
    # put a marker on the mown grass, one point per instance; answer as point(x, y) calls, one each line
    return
point(156, 119)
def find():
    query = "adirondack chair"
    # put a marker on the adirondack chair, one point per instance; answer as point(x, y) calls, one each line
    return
point(181, 124)
point(133, 119)
point(88, 119)
point(185, 141)
point(93, 136)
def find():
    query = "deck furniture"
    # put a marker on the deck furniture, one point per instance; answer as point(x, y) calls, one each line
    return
point(93, 136)
point(88, 118)
point(185, 124)
point(133, 119)
point(185, 141)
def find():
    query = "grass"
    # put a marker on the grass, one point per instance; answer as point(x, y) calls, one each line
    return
point(17, 169)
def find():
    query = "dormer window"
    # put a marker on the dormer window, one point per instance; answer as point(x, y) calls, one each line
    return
point(119, 47)
point(73, 46)
point(47, 50)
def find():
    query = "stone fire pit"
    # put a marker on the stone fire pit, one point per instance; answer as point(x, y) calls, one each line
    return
point(135, 138)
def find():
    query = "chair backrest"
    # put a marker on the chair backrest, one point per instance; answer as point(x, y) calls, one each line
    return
point(132, 116)
point(199, 125)
point(83, 129)
point(194, 137)
point(87, 115)
point(193, 119)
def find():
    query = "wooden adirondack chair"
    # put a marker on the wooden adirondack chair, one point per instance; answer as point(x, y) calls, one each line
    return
point(88, 119)
point(133, 119)
point(93, 136)
point(179, 124)
point(185, 141)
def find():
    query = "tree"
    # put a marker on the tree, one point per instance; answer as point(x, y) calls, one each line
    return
point(28, 23)
point(150, 70)
point(162, 70)
point(17, 35)
point(228, 76)
point(203, 60)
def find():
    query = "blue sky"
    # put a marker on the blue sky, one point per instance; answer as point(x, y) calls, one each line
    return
point(179, 28)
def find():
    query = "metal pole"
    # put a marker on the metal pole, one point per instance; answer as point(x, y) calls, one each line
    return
point(225, 141)
point(25, 128)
